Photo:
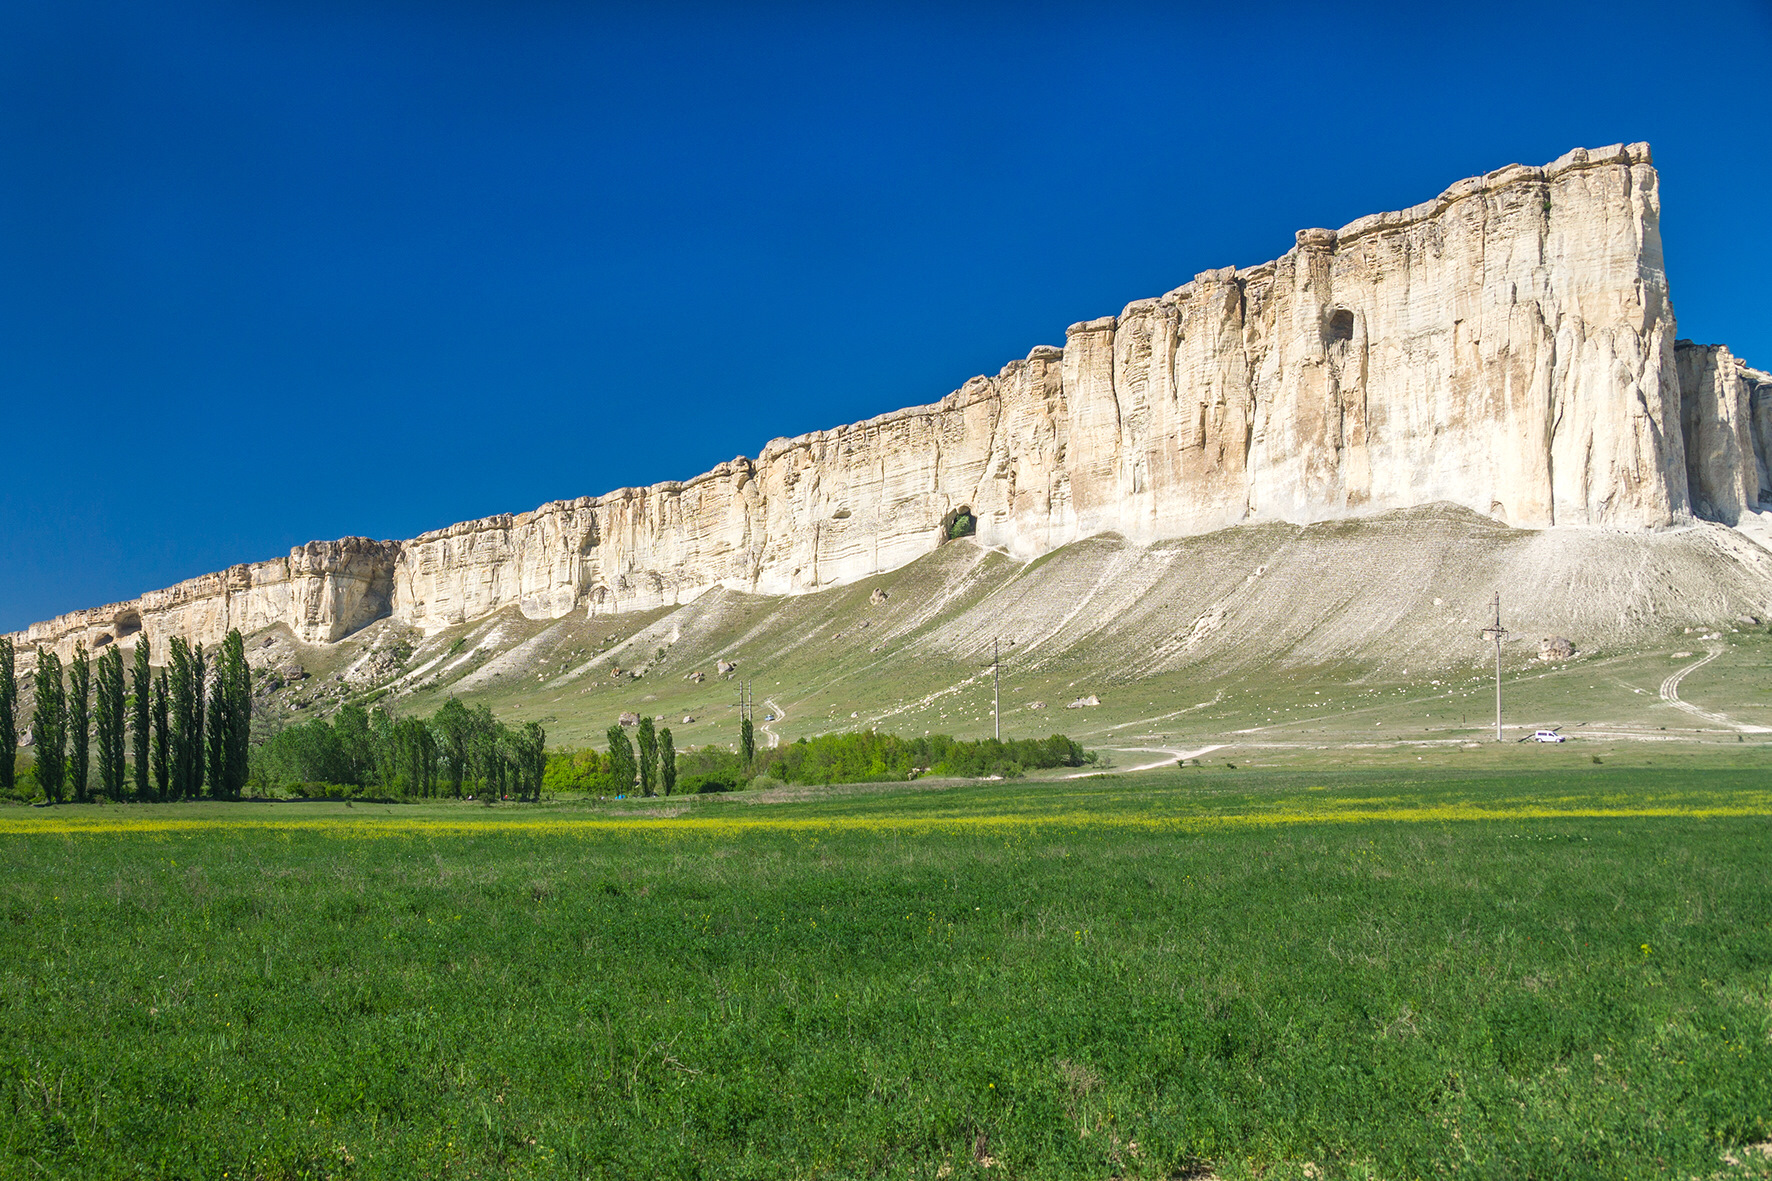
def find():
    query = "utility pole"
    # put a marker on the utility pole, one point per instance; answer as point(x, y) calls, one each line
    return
point(996, 686)
point(1496, 632)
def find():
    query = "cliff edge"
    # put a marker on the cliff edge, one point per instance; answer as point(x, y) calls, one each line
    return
point(1508, 346)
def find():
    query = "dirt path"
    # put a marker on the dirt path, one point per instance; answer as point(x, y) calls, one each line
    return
point(1670, 693)
point(1173, 754)
point(781, 715)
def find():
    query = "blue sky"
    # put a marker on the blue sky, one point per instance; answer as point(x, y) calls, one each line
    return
point(279, 271)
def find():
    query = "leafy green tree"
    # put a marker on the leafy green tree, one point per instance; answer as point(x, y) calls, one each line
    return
point(180, 701)
point(747, 742)
point(162, 738)
point(454, 727)
point(49, 726)
point(532, 745)
point(142, 713)
point(199, 687)
point(648, 743)
point(80, 723)
point(8, 717)
point(237, 677)
point(621, 761)
point(110, 720)
point(667, 760)
point(216, 736)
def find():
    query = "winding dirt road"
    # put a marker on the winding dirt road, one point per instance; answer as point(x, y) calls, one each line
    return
point(769, 727)
point(1173, 755)
point(1670, 693)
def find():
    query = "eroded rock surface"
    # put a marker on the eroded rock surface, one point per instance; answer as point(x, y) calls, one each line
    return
point(1507, 346)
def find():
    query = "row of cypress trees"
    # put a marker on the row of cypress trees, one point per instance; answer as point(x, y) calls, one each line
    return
point(656, 765)
point(190, 722)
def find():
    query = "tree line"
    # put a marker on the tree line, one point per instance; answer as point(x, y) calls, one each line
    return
point(868, 756)
point(190, 723)
point(455, 751)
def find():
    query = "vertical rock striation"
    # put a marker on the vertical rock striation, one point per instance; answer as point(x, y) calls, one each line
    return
point(1507, 346)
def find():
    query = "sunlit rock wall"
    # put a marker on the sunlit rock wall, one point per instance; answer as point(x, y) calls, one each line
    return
point(1507, 346)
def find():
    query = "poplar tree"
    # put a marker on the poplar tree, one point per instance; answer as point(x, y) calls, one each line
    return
point(199, 684)
point(183, 701)
point(8, 717)
point(162, 739)
point(648, 741)
point(50, 726)
point(621, 760)
point(455, 730)
point(535, 757)
point(142, 714)
point(80, 722)
point(667, 760)
point(216, 735)
point(747, 743)
point(110, 717)
point(238, 677)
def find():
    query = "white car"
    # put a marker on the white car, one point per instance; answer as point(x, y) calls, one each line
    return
point(1547, 736)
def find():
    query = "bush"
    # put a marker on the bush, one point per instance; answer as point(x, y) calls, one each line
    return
point(871, 757)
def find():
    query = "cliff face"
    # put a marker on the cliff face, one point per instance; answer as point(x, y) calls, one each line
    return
point(1507, 346)
point(1726, 415)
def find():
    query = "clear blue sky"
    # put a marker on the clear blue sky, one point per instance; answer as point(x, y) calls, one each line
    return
point(277, 271)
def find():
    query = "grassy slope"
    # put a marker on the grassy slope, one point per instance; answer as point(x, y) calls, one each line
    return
point(1458, 965)
point(1353, 631)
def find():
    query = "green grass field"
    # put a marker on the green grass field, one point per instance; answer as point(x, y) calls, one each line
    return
point(1485, 965)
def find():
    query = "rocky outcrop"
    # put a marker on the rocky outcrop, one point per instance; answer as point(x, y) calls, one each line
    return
point(322, 591)
point(1507, 346)
point(1726, 416)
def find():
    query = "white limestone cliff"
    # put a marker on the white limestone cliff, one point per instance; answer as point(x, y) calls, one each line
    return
point(1507, 346)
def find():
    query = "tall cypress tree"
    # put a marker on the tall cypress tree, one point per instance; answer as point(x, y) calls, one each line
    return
point(162, 738)
point(142, 712)
point(238, 678)
point(8, 717)
point(648, 743)
point(49, 726)
point(80, 723)
point(178, 708)
point(215, 734)
point(747, 743)
point(667, 760)
point(621, 761)
point(199, 684)
point(103, 720)
point(108, 709)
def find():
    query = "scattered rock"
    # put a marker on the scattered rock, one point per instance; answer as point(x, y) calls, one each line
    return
point(1553, 648)
point(725, 667)
point(293, 671)
point(614, 671)
point(628, 719)
point(1036, 705)
point(879, 596)
point(1080, 702)
point(866, 623)
point(687, 719)
point(698, 678)
point(1681, 655)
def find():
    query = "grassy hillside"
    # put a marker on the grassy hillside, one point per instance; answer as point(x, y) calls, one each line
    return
point(1261, 636)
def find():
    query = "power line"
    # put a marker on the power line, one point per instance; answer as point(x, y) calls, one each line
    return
point(1496, 632)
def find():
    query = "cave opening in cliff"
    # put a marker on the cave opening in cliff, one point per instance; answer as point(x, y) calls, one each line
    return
point(959, 523)
point(1341, 325)
point(127, 624)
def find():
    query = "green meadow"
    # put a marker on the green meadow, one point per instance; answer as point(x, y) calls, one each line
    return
point(1450, 968)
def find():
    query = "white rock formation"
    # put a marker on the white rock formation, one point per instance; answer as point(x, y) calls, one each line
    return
point(1507, 346)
